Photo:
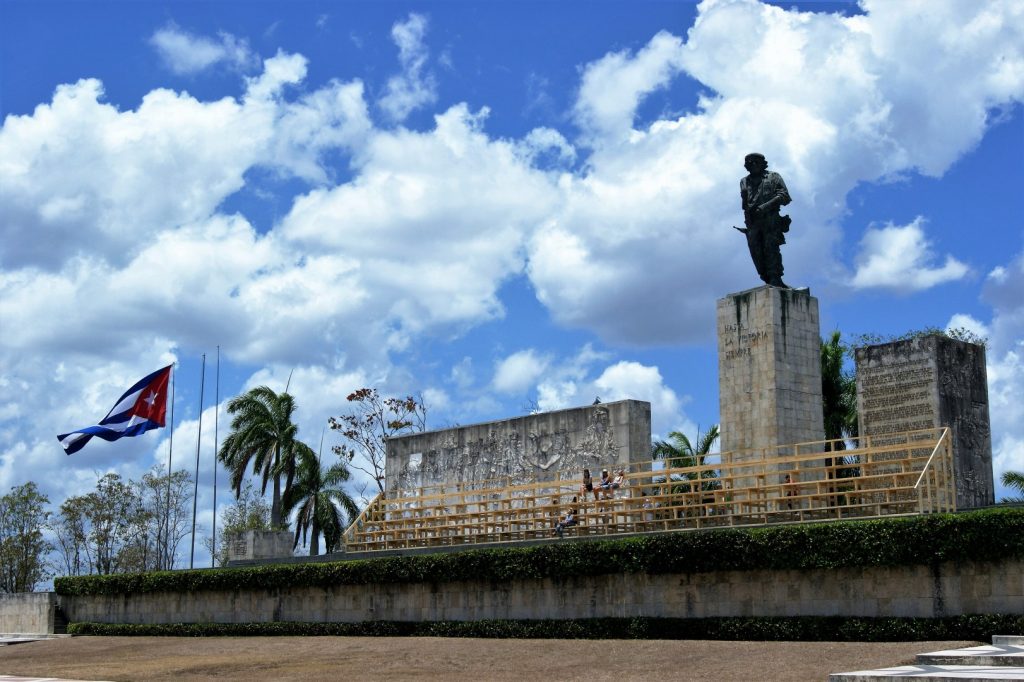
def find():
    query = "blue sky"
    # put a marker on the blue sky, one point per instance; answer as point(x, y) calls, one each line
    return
point(494, 205)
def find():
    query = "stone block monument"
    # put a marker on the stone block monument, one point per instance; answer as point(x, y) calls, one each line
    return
point(927, 382)
point(769, 369)
point(522, 449)
point(260, 544)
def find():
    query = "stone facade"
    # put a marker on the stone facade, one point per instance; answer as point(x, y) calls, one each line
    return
point(769, 369)
point(533, 447)
point(928, 382)
point(948, 589)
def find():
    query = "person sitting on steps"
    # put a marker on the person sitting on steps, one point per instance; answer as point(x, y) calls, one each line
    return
point(619, 480)
point(568, 520)
point(588, 484)
point(791, 490)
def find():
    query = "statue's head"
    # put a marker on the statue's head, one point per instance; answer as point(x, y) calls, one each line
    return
point(754, 162)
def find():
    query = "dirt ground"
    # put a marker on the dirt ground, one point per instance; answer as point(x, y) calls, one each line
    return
point(421, 658)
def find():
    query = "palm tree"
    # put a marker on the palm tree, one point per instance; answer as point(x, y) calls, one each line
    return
point(838, 393)
point(678, 451)
point(1015, 481)
point(320, 500)
point(838, 404)
point(262, 433)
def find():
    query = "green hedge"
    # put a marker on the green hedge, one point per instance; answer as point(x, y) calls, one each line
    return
point(988, 535)
point(800, 628)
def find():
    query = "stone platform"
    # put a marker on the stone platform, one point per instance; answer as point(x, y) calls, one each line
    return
point(9, 638)
point(1001, 660)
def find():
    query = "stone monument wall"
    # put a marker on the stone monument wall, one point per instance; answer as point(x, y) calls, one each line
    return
point(769, 369)
point(928, 382)
point(533, 447)
point(260, 544)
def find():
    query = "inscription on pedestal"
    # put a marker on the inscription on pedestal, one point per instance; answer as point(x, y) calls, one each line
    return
point(740, 340)
point(930, 382)
point(898, 397)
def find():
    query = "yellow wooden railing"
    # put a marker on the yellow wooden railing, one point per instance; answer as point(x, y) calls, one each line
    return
point(895, 474)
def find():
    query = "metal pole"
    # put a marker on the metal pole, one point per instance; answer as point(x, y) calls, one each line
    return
point(216, 420)
point(170, 451)
point(199, 435)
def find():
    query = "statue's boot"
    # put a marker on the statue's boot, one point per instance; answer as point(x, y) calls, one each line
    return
point(777, 282)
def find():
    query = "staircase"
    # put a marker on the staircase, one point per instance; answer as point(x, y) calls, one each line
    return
point(1002, 660)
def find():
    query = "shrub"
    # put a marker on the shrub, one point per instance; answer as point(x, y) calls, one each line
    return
point(987, 535)
point(798, 628)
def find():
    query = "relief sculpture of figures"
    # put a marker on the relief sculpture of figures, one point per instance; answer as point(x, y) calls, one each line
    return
point(763, 193)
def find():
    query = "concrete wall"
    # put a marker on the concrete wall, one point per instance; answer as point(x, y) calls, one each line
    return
point(911, 591)
point(28, 612)
point(523, 449)
point(927, 382)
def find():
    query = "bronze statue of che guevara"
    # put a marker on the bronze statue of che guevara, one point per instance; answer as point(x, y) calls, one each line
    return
point(763, 193)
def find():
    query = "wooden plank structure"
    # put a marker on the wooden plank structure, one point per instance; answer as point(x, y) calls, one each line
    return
point(895, 474)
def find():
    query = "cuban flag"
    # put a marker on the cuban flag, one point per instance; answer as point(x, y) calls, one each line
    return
point(141, 408)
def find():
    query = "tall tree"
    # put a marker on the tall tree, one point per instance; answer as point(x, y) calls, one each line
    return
point(23, 549)
point(322, 504)
point(371, 422)
point(838, 392)
point(679, 451)
point(165, 526)
point(104, 531)
point(118, 522)
point(248, 512)
point(263, 435)
point(1015, 481)
point(70, 529)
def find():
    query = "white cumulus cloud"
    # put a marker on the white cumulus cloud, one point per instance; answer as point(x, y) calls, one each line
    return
point(900, 257)
point(519, 371)
point(614, 85)
point(581, 379)
point(415, 86)
point(186, 53)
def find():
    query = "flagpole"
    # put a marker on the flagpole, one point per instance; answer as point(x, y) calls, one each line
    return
point(199, 435)
point(170, 452)
point(216, 420)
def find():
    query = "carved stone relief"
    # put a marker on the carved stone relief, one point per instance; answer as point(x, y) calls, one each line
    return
point(519, 450)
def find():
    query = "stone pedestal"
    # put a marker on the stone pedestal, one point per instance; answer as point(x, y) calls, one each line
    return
point(927, 382)
point(769, 369)
point(261, 544)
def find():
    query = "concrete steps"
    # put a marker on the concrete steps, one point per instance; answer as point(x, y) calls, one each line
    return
point(1002, 660)
point(8, 638)
point(991, 654)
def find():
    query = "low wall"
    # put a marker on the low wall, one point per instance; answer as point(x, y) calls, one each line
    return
point(28, 612)
point(949, 589)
